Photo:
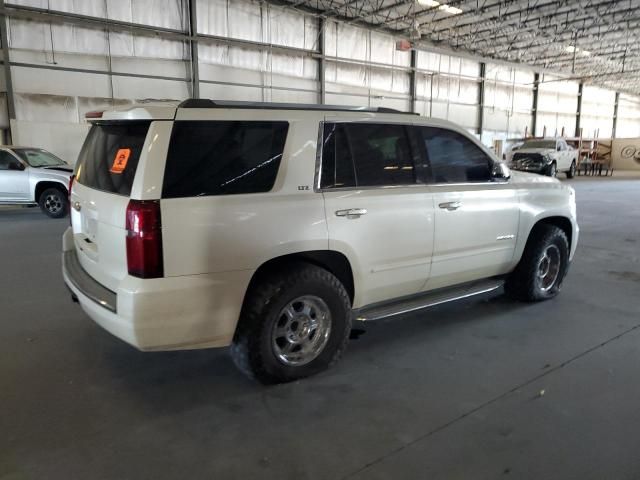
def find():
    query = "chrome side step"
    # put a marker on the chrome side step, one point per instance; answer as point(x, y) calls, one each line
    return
point(428, 299)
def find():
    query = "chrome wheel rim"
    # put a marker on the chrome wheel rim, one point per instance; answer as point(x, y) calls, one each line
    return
point(53, 203)
point(549, 268)
point(301, 330)
point(552, 173)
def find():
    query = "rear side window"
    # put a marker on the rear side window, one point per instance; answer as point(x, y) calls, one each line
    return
point(223, 158)
point(366, 154)
point(454, 158)
point(109, 156)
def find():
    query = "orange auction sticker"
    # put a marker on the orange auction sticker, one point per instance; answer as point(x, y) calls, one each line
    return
point(120, 161)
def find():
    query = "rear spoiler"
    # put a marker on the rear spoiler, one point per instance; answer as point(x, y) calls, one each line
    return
point(137, 112)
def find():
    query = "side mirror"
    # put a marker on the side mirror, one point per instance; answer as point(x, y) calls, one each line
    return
point(16, 166)
point(500, 171)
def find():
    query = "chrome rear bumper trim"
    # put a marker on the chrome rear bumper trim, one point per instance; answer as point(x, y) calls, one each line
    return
point(85, 283)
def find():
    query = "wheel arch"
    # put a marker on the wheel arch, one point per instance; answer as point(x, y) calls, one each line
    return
point(563, 223)
point(42, 185)
point(331, 260)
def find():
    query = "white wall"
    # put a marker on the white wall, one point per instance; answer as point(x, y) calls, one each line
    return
point(62, 139)
point(447, 86)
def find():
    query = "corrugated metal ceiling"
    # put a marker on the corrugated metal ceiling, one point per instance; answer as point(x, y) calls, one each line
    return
point(595, 41)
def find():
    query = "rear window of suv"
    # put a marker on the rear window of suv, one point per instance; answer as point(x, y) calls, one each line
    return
point(223, 157)
point(109, 156)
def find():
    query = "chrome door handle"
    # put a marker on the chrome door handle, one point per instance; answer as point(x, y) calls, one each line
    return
point(450, 206)
point(351, 212)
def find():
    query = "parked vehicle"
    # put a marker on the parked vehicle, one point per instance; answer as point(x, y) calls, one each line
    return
point(270, 227)
point(546, 156)
point(32, 175)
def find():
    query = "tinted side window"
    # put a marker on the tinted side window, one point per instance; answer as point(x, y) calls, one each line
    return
point(337, 164)
point(6, 160)
point(223, 158)
point(366, 154)
point(109, 156)
point(454, 158)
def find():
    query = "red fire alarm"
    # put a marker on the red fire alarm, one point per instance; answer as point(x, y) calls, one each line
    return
point(403, 45)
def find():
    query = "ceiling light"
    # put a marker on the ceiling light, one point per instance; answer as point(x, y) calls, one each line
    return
point(570, 49)
point(428, 3)
point(586, 53)
point(449, 9)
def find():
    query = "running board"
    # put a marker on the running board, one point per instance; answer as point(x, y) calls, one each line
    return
point(428, 299)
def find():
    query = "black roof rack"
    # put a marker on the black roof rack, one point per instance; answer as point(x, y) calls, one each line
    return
point(207, 103)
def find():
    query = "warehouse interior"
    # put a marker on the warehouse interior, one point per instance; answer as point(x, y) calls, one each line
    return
point(483, 388)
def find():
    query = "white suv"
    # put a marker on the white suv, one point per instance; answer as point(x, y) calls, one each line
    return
point(270, 227)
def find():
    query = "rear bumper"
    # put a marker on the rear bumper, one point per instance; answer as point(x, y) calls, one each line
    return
point(174, 313)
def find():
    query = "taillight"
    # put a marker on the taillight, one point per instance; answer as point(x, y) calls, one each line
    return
point(71, 179)
point(144, 239)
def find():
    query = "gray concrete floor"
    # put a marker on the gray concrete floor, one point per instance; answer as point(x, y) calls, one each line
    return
point(482, 389)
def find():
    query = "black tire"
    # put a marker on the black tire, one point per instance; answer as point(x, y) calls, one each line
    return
point(525, 283)
point(54, 202)
point(572, 170)
point(552, 170)
point(253, 349)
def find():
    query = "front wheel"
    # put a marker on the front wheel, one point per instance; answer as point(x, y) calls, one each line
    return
point(552, 170)
point(54, 203)
point(572, 170)
point(542, 267)
point(294, 323)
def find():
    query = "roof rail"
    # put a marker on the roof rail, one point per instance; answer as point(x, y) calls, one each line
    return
point(207, 103)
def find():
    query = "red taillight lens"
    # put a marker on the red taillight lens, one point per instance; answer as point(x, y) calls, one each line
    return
point(71, 179)
point(144, 239)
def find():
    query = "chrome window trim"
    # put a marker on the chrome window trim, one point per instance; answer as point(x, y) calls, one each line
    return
point(318, 168)
point(318, 171)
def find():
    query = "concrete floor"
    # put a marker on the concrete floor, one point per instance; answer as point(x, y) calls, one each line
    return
point(481, 389)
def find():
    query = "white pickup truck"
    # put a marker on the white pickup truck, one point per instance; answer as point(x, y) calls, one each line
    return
point(30, 176)
point(546, 156)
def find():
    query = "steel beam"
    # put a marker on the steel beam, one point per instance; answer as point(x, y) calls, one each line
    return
point(322, 63)
point(534, 106)
point(579, 109)
point(193, 49)
point(481, 97)
point(413, 80)
point(4, 38)
point(615, 115)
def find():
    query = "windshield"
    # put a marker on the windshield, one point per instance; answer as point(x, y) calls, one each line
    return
point(540, 144)
point(36, 157)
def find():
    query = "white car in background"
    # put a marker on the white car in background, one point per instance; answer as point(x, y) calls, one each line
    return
point(32, 175)
point(546, 156)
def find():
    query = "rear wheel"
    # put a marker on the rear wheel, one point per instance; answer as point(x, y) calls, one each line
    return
point(54, 203)
point(542, 267)
point(294, 323)
point(572, 170)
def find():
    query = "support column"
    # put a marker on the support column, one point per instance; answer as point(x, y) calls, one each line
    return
point(193, 49)
point(579, 111)
point(322, 96)
point(534, 106)
point(615, 115)
point(413, 80)
point(481, 98)
point(11, 107)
